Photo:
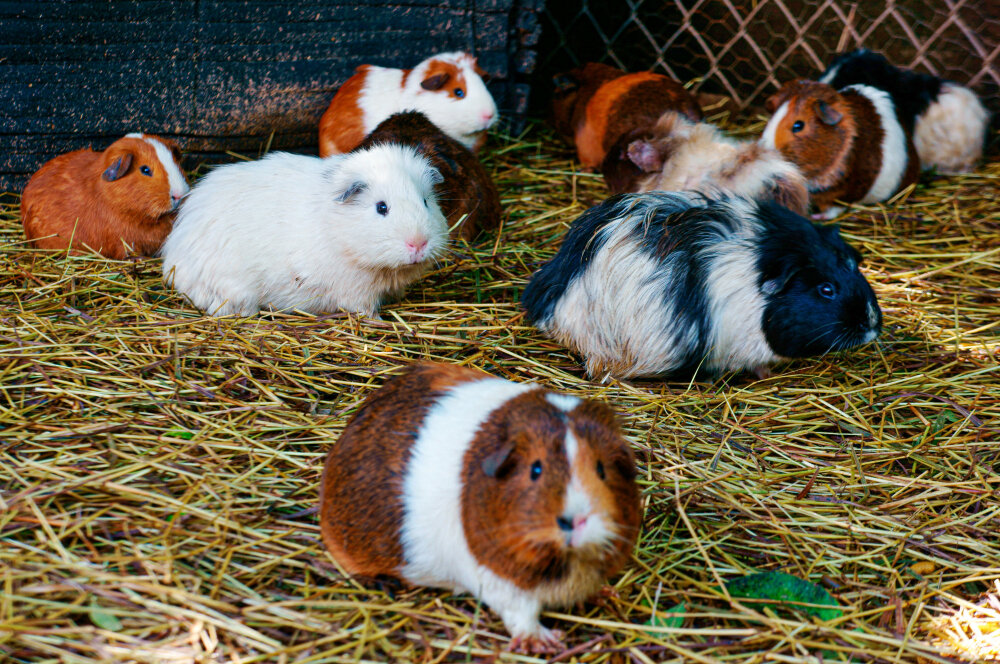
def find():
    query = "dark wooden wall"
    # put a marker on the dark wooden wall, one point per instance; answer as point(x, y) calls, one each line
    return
point(223, 75)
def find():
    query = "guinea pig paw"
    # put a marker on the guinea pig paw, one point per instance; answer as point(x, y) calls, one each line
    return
point(828, 214)
point(762, 372)
point(547, 641)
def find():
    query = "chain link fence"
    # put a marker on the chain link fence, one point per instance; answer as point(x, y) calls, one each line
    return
point(745, 49)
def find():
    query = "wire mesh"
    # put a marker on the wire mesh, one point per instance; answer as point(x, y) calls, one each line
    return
point(746, 48)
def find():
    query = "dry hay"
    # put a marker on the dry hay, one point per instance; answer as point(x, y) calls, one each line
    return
point(157, 467)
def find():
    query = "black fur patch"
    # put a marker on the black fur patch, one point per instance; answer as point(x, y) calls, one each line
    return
point(911, 92)
point(795, 259)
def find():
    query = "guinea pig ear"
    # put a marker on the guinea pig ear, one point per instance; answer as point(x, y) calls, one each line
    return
point(350, 191)
point(435, 82)
point(828, 115)
point(118, 168)
point(497, 464)
point(778, 283)
point(435, 175)
point(773, 102)
point(479, 70)
point(643, 154)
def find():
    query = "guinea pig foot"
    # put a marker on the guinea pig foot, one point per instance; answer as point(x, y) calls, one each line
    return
point(547, 641)
point(828, 214)
point(762, 372)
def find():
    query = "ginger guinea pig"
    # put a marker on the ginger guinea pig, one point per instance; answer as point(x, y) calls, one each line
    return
point(467, 189)
point(297, 232)
point(595, 105)
point(676, 284)
point(948, 120)
point(679, 155)
point(849, 144)
point(449, 477)
point(117, 202)
point(448, 88)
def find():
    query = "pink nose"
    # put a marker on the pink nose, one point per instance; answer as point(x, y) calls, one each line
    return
point(579, 520)
point(416, 244)
point(487, 116)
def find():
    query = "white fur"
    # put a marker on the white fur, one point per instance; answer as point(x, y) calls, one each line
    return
point(563, 402)
point(704, 159)
point(616, 315)
point(272, 233)
point(433, 537)
point(462, 119)
point(950, 134)
point(768, 139)
point(175, 178)
point(830, 75)
point(893, 147)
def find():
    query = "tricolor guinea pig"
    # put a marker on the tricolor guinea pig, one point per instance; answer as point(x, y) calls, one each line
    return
point(117, 202)
point(676, 284)
point(595, 105)
point(449, 477)
point(849, 144)
point(948, 121)
point(467, 190)
point(298, 232)
point(679, 155)
point(448, 88)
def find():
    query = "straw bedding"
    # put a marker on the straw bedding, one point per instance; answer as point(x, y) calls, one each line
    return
point(158, 467)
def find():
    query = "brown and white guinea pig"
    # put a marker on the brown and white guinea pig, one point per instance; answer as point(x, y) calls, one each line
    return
point(467, 189)
point(117, 202)
point(594, 105)
point(679, 155)
point(676, 284)
point(448, 88)
point(849, 144)
point(449, 477)
point(948, 121)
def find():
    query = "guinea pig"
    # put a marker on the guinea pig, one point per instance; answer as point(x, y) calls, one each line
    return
point(449, 477)
point(947, 120)
point(467, 190)
point(595, 105)
point(117, 202)
point(679, 155)
point(298, 232)
point(448, 88)
point(676, 284)
point(849, 143)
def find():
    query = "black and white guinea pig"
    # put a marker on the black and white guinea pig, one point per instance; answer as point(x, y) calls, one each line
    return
point(674, 283)
point(452, 478)
point(948, 121)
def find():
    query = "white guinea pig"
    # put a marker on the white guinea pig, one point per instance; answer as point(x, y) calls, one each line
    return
point(298, 232)
point(448, 88)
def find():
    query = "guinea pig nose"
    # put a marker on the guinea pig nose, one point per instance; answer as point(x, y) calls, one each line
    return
point(416, 244)
point(564, 523)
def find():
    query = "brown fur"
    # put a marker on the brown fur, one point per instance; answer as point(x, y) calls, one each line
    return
point(609, 103)
point(67, 200)
point(342, 126)
point(836, 159)
point(467, 188)
point(510, 520)
point(452, 77)
point(361, 508)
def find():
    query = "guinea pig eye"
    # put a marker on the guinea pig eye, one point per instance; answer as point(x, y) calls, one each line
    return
point(459, 92)
point(797, 126)
point(382, 208)
point(827, 290)
point(600, 470)
point(536, 470)
point(146, 170)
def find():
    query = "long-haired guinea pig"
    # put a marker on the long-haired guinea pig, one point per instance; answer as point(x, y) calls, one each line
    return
point(672, 283)
point(594, 105)
point(117, 202)
point(948, 120)
point(679, 155)
point(452, 478)
point(849, 143)
point(298, 232)
point(467, 189)
point(448, 88)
